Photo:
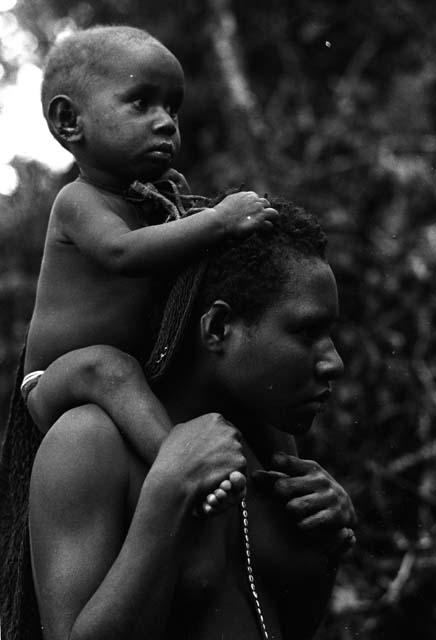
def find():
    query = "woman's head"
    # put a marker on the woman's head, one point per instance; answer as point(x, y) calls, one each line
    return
point(258, 342)
point(250, 274)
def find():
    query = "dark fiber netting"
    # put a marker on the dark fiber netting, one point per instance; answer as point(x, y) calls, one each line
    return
point(18, 611)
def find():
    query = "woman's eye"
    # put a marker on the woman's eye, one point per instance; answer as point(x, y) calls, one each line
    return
point(307, 336)
point(310, 336)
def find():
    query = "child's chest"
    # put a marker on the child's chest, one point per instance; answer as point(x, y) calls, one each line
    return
point(134, 214)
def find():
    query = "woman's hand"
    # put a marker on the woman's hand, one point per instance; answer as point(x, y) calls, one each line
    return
point(317, 504)
point(201, 454)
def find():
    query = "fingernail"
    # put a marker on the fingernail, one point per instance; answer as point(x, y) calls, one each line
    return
point(279, 457)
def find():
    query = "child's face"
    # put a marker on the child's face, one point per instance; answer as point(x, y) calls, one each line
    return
point(130, 127)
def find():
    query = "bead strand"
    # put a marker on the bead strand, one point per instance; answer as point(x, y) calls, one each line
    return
point(250, 573)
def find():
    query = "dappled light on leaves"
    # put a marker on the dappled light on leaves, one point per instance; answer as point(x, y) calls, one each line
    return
point(8, 180)
point(7, 5)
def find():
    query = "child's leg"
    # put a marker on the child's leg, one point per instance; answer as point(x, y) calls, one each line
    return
point(115, 382)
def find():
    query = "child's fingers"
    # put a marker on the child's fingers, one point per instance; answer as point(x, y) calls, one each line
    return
point(268, 217)
point(267, 225)
point(264, 202)
point(266, 213)
point(270, 211)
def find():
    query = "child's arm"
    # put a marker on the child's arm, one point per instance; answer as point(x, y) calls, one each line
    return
point(104, 236)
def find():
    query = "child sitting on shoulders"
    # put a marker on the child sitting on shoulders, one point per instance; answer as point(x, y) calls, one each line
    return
point(111, 96)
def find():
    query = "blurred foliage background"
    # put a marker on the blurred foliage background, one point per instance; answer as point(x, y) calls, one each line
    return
point(332, 104)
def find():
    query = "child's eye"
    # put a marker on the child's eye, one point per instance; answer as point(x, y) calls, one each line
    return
point(172, 111)
point(140, 104)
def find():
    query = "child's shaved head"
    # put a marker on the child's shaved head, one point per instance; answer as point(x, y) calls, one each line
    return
point(77, 60)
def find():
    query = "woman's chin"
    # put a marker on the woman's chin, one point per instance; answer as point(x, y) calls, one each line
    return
point(296, 422)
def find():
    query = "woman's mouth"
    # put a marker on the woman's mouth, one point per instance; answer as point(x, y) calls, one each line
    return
point(317, 403)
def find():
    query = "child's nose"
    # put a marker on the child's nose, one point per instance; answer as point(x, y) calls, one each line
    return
point(163, 122)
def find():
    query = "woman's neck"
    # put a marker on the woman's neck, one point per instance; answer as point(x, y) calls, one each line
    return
point(186, 399)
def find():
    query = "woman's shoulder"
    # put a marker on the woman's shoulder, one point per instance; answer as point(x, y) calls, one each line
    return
point(83, 449)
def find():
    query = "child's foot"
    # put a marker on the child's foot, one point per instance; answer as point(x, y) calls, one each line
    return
point(228, 493)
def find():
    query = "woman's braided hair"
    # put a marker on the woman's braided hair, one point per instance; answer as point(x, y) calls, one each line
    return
point(249, 275)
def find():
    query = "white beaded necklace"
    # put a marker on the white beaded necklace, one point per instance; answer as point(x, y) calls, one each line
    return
point(250, 574)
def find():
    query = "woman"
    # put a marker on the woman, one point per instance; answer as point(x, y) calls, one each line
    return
point(116, 549)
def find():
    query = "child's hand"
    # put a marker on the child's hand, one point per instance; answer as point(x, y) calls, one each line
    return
point(244, 212)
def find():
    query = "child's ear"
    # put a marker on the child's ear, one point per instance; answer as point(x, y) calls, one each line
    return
point(65, 120)
point(216, 326)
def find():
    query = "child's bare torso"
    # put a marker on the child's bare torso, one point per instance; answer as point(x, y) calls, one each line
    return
point(79, 302)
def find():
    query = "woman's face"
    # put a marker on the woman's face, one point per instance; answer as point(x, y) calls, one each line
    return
point(279, 370)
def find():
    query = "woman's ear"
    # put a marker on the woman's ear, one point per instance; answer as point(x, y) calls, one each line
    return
point(64, 120)
point(215, 326)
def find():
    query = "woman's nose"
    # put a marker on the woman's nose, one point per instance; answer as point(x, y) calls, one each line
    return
point(330, 366)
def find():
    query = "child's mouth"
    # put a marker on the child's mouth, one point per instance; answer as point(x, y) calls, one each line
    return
point(162, 153)
point(158, 153)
